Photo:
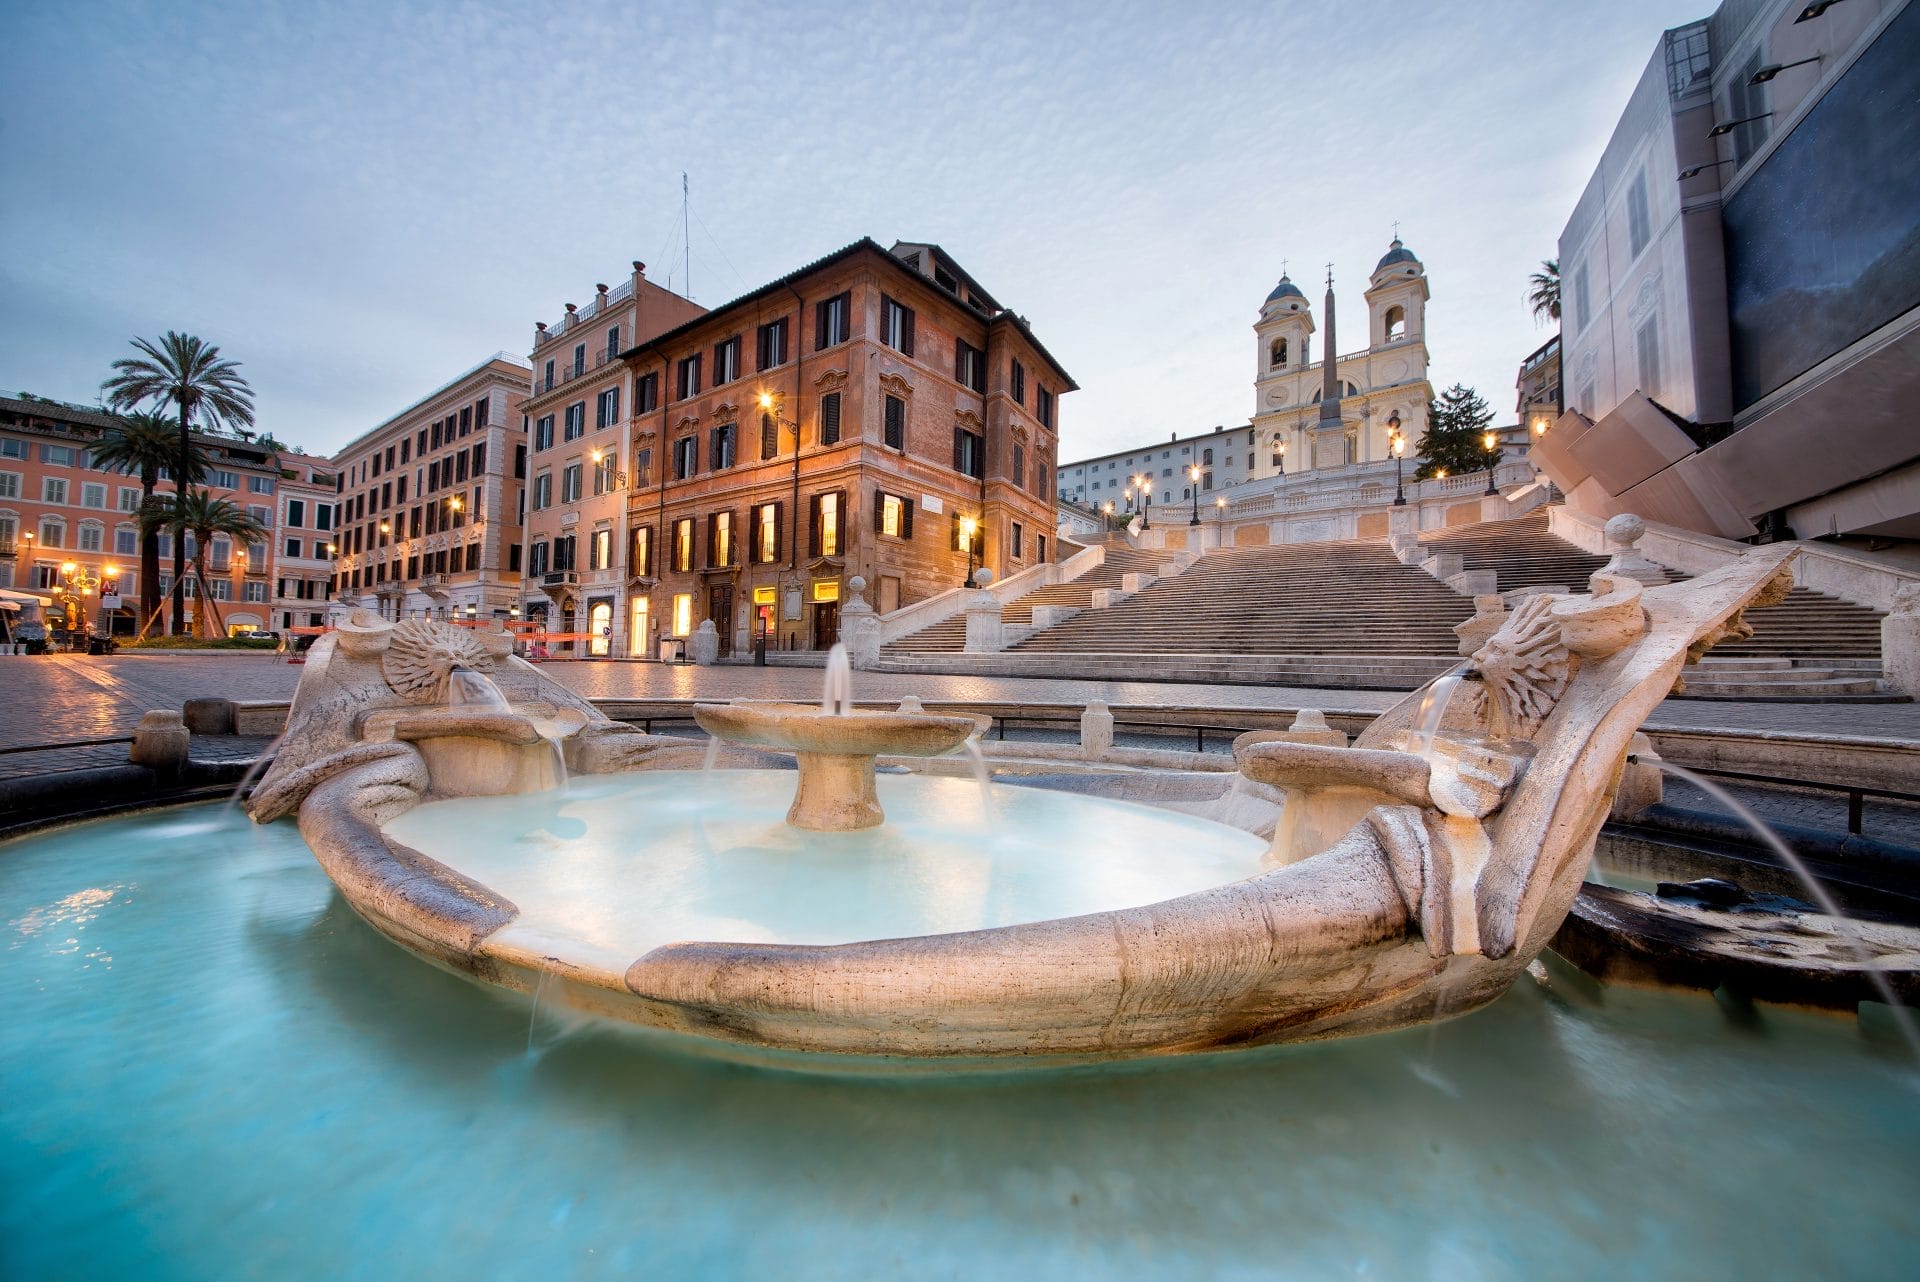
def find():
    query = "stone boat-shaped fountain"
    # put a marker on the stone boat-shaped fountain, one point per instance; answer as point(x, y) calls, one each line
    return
point(1409, 877)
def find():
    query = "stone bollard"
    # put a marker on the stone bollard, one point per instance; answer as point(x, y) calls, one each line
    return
point(860, 627)
point(1642, 783)
point(209, 716)
point(1096, 730)
point(1623, 533)
point(160, 743)
point(1310, 726)
point(985, 633)
point(911, 703)
point(704, 645)
point(1900, 641)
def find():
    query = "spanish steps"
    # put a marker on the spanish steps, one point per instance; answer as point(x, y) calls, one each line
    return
point(1350, 615)
point(950, 634)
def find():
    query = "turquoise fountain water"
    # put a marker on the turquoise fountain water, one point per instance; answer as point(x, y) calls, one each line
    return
point(211, 1069)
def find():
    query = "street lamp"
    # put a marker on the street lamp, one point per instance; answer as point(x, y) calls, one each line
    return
point(967, 528)
point(769, 409)
point(1219, 517)
point(1193, 475)
point(620, 477)
point(1145, 483)
point(1491, 442)
point(1108, 510)
point(1398, 444)
point(1280, 449)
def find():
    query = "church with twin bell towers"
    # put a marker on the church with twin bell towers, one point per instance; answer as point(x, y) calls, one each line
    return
point(1338, 414)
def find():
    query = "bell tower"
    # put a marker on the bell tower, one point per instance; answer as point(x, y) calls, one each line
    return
point(1283, 339)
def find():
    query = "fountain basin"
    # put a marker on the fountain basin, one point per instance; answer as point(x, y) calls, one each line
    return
point(212, 1070)
point(834, 752)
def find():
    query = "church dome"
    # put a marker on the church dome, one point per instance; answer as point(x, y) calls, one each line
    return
point(1285, 289)
point(1396, 253)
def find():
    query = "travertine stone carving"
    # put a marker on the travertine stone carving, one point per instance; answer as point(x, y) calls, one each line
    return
point(421, 654)
point(1525, 666)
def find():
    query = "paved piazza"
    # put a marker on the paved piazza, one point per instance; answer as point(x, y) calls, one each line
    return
point(52, 699)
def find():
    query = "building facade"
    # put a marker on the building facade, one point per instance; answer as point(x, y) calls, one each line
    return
point(1741, 323)
point(1316, 459)
point(1225, 456)
point(581, 408)
point(304, 542)
point(428, 504)
point(1316, 420)
point(70, 529)
point(874, 414)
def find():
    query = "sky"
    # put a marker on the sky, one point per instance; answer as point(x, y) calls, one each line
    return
point(359, 202)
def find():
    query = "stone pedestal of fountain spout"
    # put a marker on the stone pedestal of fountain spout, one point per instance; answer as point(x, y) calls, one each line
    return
point(834, 753)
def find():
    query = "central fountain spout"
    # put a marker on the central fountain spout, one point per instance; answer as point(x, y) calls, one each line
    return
point(834, 747)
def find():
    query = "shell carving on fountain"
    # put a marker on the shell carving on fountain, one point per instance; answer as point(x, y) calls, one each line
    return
point(1525, 666)
point(422, 654)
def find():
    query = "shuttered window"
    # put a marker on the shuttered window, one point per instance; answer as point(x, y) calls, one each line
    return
point(896, 325)
point(896, 423)
point(830, 419)
point(892, 515)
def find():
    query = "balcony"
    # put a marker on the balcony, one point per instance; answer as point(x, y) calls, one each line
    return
point(391, 590)
point(434, 584)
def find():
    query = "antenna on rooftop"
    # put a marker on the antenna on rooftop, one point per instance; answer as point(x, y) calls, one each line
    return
point(686, 239)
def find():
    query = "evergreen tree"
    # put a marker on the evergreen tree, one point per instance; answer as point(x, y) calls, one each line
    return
point(1455, 440)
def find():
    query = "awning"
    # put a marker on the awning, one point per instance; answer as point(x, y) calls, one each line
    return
point(25, 598)
point(9, 605)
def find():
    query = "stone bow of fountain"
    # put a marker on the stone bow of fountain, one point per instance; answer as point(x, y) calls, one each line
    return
point(1409, 877)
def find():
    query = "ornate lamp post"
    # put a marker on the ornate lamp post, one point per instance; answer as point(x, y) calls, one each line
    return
point(1398, 444)
point(1193, 475)
point(1491, 443)
point(1145, 483)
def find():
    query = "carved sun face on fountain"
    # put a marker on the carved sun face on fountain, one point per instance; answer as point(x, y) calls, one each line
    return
point(422, 655)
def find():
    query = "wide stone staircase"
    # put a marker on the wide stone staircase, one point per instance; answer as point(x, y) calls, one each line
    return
point(1351, 616)
point(1347, 615)
point(1808, 646)
point(950, 635)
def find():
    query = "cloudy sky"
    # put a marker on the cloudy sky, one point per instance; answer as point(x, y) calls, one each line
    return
point(359, 201)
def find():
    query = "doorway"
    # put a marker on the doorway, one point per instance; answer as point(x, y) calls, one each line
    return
point(826, 624)
point(600, 623)
point(720, 610)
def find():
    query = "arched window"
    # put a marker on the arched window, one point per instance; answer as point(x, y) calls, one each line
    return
point(1206, 456)
point(1396, 323)
point(1279, 353)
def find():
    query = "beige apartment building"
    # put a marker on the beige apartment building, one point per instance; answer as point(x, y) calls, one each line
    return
point(429, 502)
point(875, 413)
point(303, 543)
point(580, 408)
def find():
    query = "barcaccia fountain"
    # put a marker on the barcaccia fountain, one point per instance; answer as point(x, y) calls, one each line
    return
point(1333, 891)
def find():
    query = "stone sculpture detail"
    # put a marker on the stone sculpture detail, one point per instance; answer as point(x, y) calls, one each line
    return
point(422, 654)
point(1525, 667)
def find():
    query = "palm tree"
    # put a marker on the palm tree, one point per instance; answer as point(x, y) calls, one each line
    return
point(1544, 292)
point(198, 513)
point(189, 374)
point(142, 445)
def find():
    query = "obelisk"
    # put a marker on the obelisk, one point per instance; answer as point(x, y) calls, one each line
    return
point(1329, 434)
